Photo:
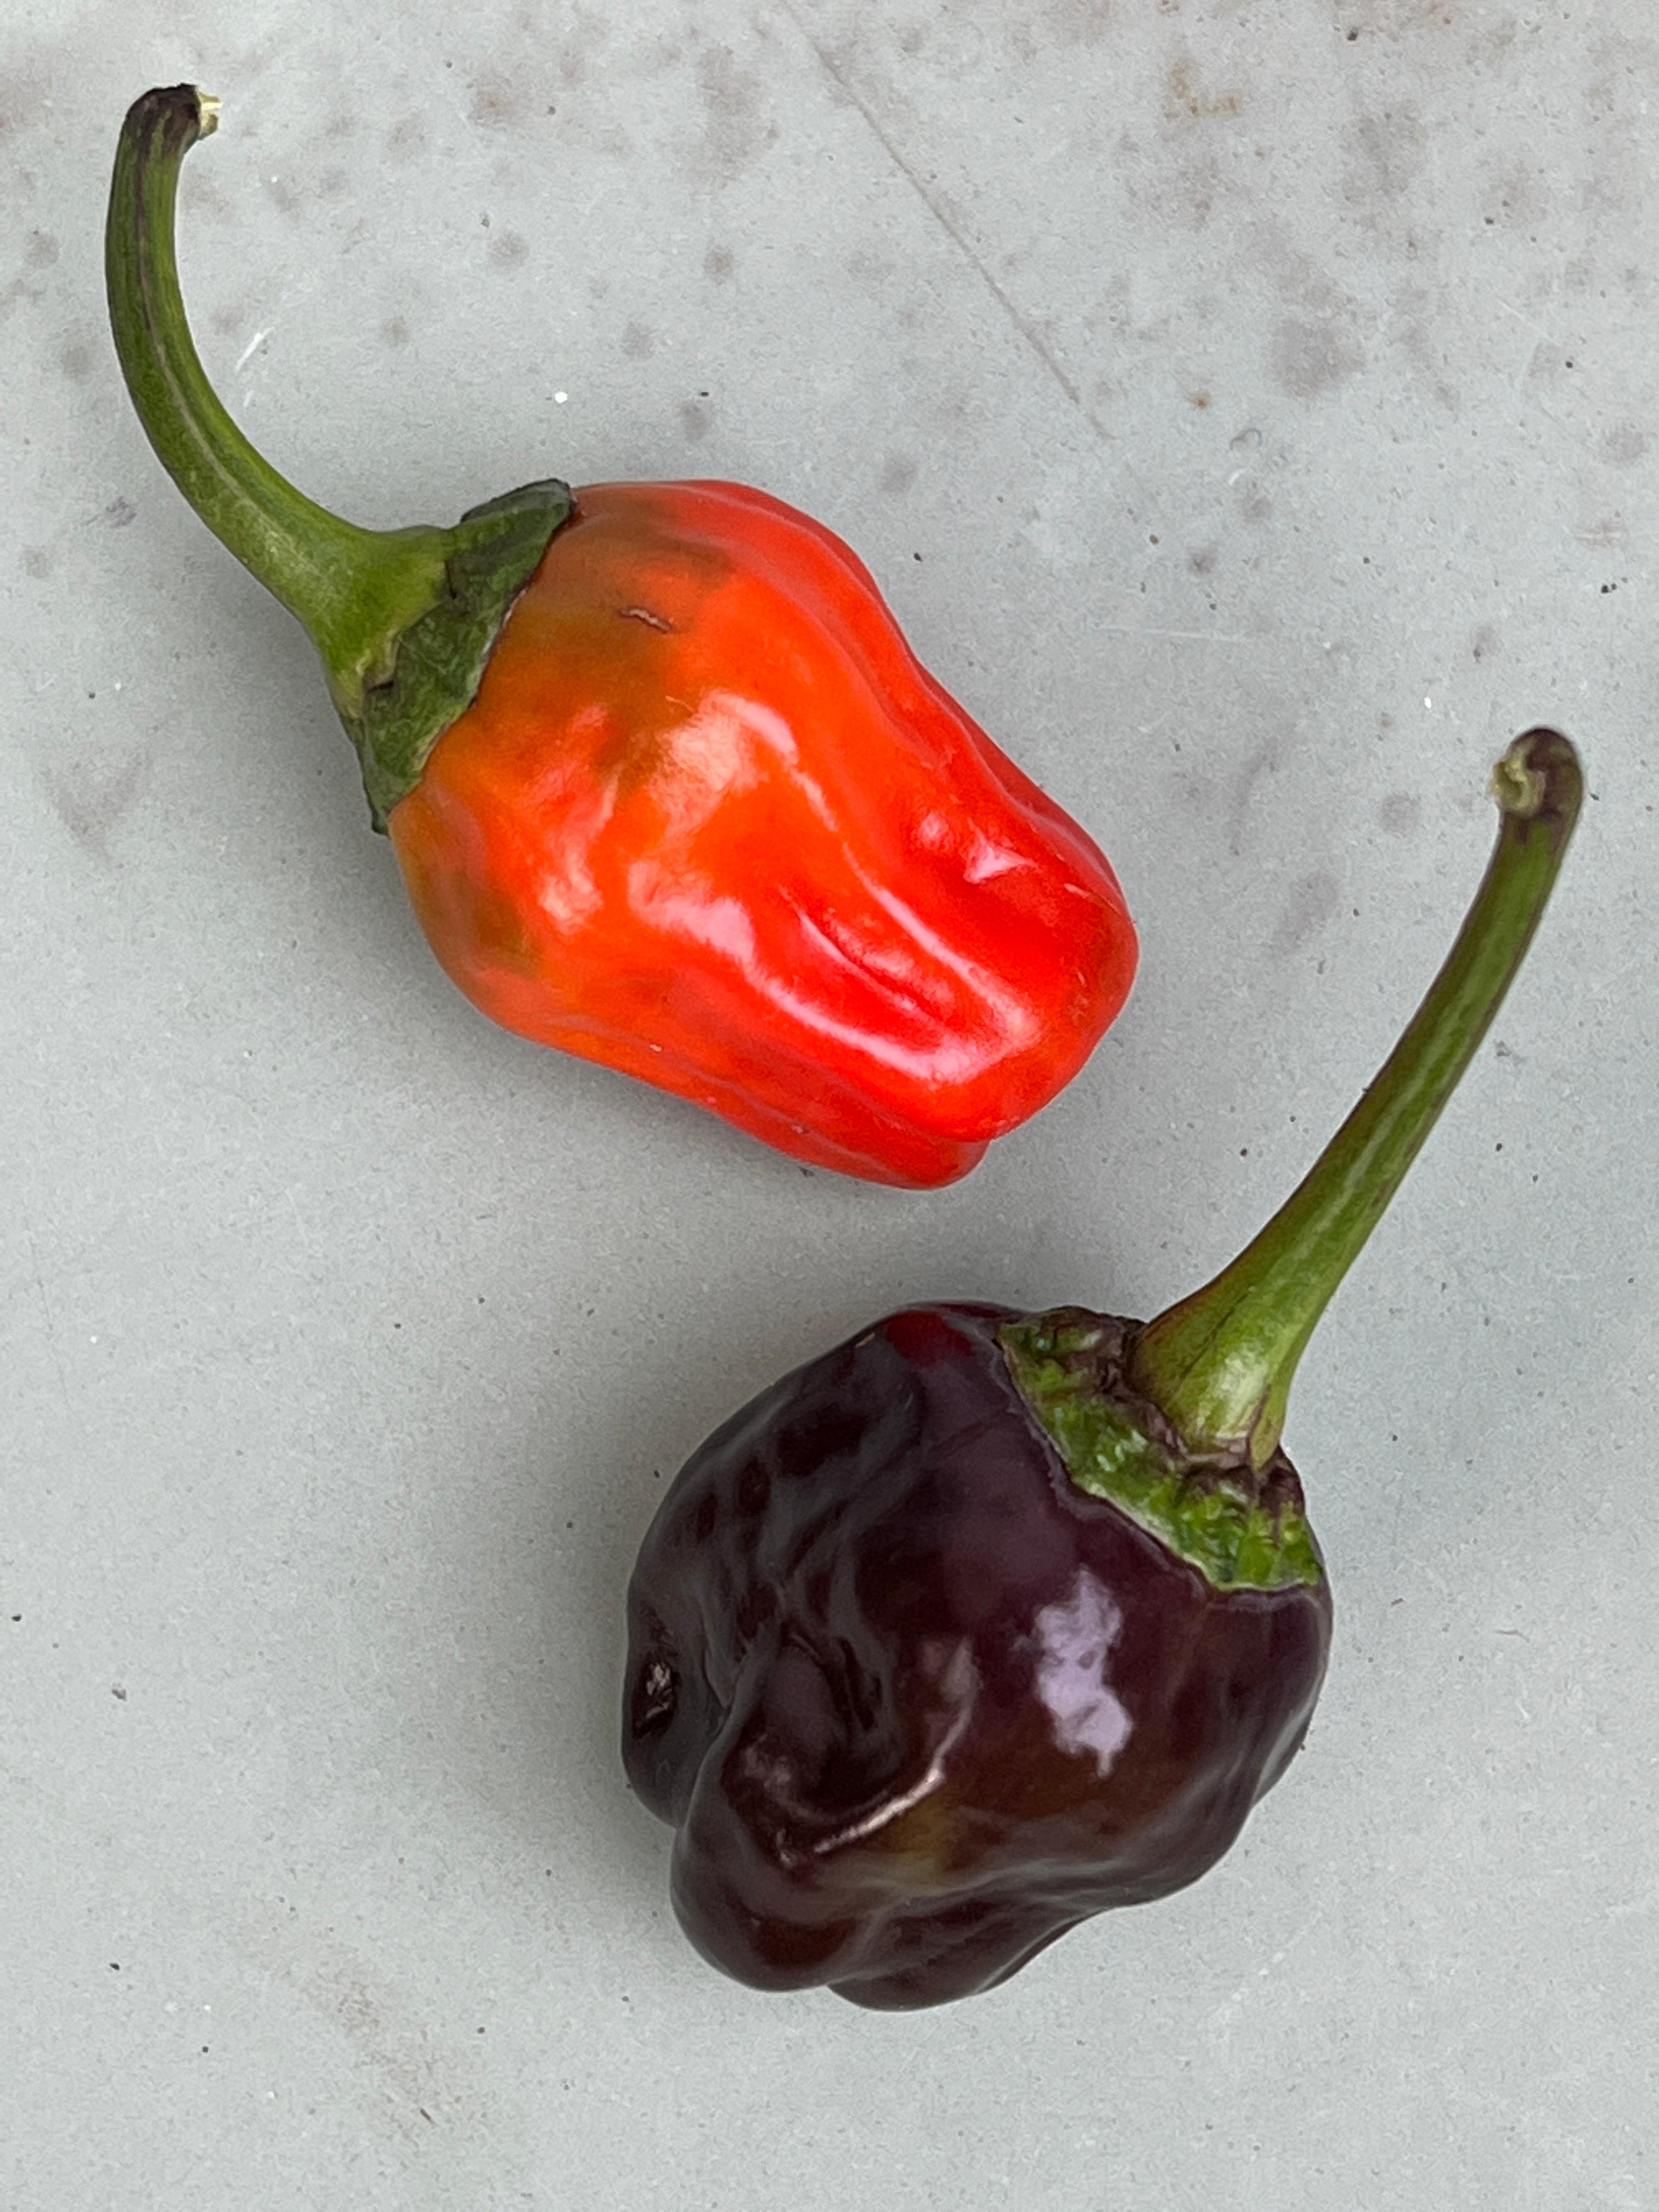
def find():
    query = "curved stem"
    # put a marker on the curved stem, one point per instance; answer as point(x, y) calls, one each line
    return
point(1219, 1364)
point(404, 620)
point(352, 588)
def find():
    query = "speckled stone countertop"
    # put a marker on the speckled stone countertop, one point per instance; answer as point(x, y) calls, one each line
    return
point(1248, 407)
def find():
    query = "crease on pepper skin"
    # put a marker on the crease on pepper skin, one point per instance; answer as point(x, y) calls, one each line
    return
point(667, 787)
point(985, 1622)
point(757, 900)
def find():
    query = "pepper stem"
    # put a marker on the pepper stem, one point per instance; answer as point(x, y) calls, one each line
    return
point(1219, 1364)
point(363, 595)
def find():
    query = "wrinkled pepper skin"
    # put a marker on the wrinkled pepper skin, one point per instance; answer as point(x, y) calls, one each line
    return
point(710, 822)
point(914, 1703)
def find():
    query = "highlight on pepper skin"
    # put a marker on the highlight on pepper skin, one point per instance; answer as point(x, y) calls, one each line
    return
point(710, 822)
point(985, 1622)
point(668, 788)
point(914, 1703)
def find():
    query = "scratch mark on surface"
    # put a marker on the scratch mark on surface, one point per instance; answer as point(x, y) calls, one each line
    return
point(45, 1308)
point(250, 349)
point(1179, 636)
point(941, 214)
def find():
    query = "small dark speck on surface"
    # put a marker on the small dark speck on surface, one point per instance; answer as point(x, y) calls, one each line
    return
point(118, 1690)
point(508, 251)
point(1485, 642)
point(395, 331)
point(718, 263)
point(119, 513)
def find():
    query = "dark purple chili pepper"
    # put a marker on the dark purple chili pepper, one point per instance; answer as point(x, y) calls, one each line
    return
point(986, 1621)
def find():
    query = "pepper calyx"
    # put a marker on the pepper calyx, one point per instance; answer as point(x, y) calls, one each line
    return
point(403, 620)
point(1240, 1527)
point(437, 659)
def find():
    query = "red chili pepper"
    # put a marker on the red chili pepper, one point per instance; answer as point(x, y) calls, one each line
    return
point(668, 788)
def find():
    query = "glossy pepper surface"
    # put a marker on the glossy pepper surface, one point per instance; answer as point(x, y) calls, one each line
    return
point(667, 787)
point(710, 820)
point(986, 1621)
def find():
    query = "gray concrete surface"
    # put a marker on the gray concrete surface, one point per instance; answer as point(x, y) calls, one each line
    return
point(1249, 409)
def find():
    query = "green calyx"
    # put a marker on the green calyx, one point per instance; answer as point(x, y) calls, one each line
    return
point(1178, 1422)
point(404, 620)
point(1239, 1530)
point(1217, 1365)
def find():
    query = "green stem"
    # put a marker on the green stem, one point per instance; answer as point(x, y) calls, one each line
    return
point(1219, 1364)
point(363, 595)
